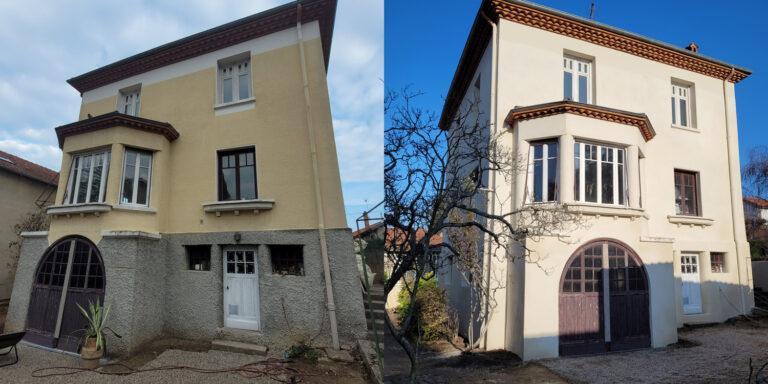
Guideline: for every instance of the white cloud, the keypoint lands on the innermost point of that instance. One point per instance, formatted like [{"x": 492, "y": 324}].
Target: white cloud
[{"x": 45, "y": 43}]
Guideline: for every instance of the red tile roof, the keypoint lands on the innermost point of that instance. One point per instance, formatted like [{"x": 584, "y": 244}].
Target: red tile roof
[
  {"x": 19, "y": 166},
  {"x": 756, "y": 201},
  {"x": 397, "y": 235},
  {"x": 367, "y": 228}
]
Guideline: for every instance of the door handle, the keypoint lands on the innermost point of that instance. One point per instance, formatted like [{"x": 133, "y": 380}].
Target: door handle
[{"x": 227, "y": 287}]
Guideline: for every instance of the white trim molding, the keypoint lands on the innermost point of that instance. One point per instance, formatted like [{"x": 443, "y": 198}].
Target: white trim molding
[
  {"x": 31, "y": 234},
  {"x": 606, "y": 210},
  {"x": 78, "y": 209},
  {"x": 235, "y": 106},
  {"x": 690, "y": 220},
  {"x": 131, "y": 234},
  {"x": 236, "y": 206}
]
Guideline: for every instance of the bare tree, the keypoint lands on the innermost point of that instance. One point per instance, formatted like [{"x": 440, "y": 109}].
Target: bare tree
[
  {"x": 434, "y": 181},
  {"x": 756, "y": 172}
]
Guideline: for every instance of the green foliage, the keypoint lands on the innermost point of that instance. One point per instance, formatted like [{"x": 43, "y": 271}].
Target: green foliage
[
  {"x": 34, "y": 221},
  {"x": 759, "y": 249},
  {"x": 302, "y": 351},
  {"x": 431, "y": 309},
  {"x": 96, "y": 316}
]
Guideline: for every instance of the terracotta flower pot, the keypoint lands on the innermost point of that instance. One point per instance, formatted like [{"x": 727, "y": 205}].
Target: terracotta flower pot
[{"x": 90, "y": 354}]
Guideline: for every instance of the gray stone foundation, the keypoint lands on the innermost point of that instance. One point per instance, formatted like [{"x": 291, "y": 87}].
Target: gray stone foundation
[{"x": 152, "y": 293}]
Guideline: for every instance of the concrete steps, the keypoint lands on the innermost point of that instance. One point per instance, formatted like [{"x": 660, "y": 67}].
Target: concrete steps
[
  {"x": 238, "y": 347},
  {"x": 377, "y": 304}
]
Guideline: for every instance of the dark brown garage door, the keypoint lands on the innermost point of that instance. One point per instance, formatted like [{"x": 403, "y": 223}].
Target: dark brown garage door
[
  {"x": 70, "y": 273},
  {"x": 595, "y": 317}
]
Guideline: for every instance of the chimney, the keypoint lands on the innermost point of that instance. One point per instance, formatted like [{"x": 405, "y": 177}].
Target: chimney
[
  {"x": 365, "y": 218},
  {"x": 693, "y": 47}
]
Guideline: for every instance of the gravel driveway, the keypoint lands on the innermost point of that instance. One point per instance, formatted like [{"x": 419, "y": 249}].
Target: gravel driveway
[
  {"x": 31, "y": 358},
  {"x": 716, "y": 354}
]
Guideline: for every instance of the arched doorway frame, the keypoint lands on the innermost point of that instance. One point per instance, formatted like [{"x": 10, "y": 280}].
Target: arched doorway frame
[
  {"x": 627, "y": 288},
  {"x": 70, "y": 272}
]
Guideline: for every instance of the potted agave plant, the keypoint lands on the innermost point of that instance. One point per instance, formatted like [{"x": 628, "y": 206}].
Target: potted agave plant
[{"x": 94, "y": 341}]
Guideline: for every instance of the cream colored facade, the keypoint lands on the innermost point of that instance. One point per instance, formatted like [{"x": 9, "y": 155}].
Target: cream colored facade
[
  {"x": 523, "y": 66},
  {"x": 184, "y": 171}
]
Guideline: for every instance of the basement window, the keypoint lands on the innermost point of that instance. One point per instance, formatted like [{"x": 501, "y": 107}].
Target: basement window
[
  {"x": 287, "y": 259},
  {"x": 717, "y": 260},
  {"x": 198, "y": 257}
]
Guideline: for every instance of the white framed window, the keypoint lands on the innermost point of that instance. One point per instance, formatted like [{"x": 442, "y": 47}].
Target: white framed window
[
  {"x": 234, "y": 80},
  {"x": 577, "y": 79},
  {"x": 137, "y": 174},
  {"x": 87, "y": 178},
  {"x": 542, "y": 173},
  {"x": 599, "y": 174},
  {"x": 129, "y": 101},
  {"x": 681, "y": 105}
]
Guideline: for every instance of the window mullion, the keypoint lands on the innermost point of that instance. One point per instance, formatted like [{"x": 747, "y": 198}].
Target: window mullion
[
  {"x": 599, "y": 174},
  {"x": 582, "y": 173},
  {"x": 90, "y": 179},
  {"x": 104, "y": 171},
  {"x": 136, "y": 168},
  {"x": 544, "y": 172},
  {"x": 616, "y": 187}
]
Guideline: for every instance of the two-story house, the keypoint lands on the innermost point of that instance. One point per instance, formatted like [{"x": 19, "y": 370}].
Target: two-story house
[
  {"x": 200, "y": 196},
  {"x": 25, "y": 187},
  {"x": 637, "y": 136}
]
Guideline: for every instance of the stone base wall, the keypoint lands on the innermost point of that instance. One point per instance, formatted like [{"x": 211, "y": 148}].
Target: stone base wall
[{"x": 151, "y": 291}]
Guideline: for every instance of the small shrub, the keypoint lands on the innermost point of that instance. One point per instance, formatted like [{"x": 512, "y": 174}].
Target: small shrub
[
  {"x": 433, "y": 314},
  {"x": 302, "y": 351}
]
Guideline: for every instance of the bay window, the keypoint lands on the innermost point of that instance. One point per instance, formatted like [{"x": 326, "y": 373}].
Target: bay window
[
  {"x": 599, "y": 174},
  {"x": 137, "y": 171},
  {"x": 87, "y": 178},
  {"x": 577, "y": 79},
  {"x": 543, "y": 178}
]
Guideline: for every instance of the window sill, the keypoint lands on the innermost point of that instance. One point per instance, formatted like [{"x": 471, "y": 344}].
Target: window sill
[
  {"x": 78, "y": 209},
  {"x": 690, "y": 220},
  {"x": 234, "y": 106},
  {"x": 236, "y": 206},
  {"x": 689, "y": 129},
  {"x": 134, "y": 208},
  {"x": 606, "y": 210}
]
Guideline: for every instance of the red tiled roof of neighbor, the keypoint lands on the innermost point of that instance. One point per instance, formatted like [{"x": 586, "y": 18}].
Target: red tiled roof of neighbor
[
  {"x": 367, "y": 228},
  {"x": 28, "y": 169},
  {"x": 398, "y": 235},
  {"x": 238, "y": 31},
  {"x": 756, "y": 201}
]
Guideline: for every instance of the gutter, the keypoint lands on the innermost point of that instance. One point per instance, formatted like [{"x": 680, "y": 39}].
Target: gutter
[
  {"x": 734, "y": 203},
  {"x": 318, "y": 193}
]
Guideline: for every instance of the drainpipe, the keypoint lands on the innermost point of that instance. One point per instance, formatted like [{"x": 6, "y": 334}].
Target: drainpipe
[
  {"x": 318, "y": 193},
  {"x": 731, "y": 176},
  {"x": 492, "y": 176}
]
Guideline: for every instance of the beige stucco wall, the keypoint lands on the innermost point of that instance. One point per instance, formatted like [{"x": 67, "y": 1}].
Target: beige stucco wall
[
  {"x": 184, "y": 171},
  {"x": 18, "y": 196},
  {"x": 525, "y": 318}
]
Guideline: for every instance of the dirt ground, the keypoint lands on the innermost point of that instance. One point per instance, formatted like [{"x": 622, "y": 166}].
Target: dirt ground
[
  {"x": 712, "y": 354},
  {"x": 173, "y": 353}
]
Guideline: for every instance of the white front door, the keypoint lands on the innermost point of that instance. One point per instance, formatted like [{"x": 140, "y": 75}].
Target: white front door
[
  {"x": 241, "y": 288},
  {"x": 689, "y": 272}
]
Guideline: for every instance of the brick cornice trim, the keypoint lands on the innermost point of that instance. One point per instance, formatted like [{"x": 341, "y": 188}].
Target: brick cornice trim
[
  {"x": 639, "y": 120},
  {"x": 251, "y": 27},
  {"x": 115, "y": 119},
  {"x": 531, "y": 16}
]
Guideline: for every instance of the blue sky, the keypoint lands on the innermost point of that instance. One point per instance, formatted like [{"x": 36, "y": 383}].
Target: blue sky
[
  {"x": 424, "y": 42},
  {"x": 44, "y": 43}
]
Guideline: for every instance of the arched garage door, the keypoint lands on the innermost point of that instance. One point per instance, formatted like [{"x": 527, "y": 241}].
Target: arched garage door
[
  {"x": 70, "y": 273},
  {"x": 597, "y": 317}
]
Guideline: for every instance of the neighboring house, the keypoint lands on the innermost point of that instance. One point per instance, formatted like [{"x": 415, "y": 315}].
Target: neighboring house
[
  {"x": 756, "y": 209},
  {"x": 25, "y": 187},
  {"x": 394, "y": 239},
  {"x": 201, "y": 196},
  {"x": 373, "y": 235},
  {"x": 638, "y": 136}
]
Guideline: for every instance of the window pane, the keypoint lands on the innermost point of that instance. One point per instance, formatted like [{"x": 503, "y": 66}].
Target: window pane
[
  {"x": 538, "y": 151},
  {"x": 607, "y": 180},
  {"x": 244, "y": 86},
  {"x": 567, "y": 86},
  {"x": 552, "y": 177},
  {"x": 683, "y": 113},
  {"x": 247, "y": 183},
  {"x": 576, "y": 178},
  {"x": 621, "y": 187},
  {"x": 537, "y": 180},
  {"x": 70, "y": 199},
  {"x": 228, "y": 189},
  {"x": 674, "y": 115},
  {"x": 129, "y": 176},
  {"x": 590, "y": 180},
  {"x": 85, "y": 173},
  {"x": 96, "y": 182},
  {"x": 583, "y": 89},
  {"x": 143, "y": 185},
  {"x": 226, "y": 96}
]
